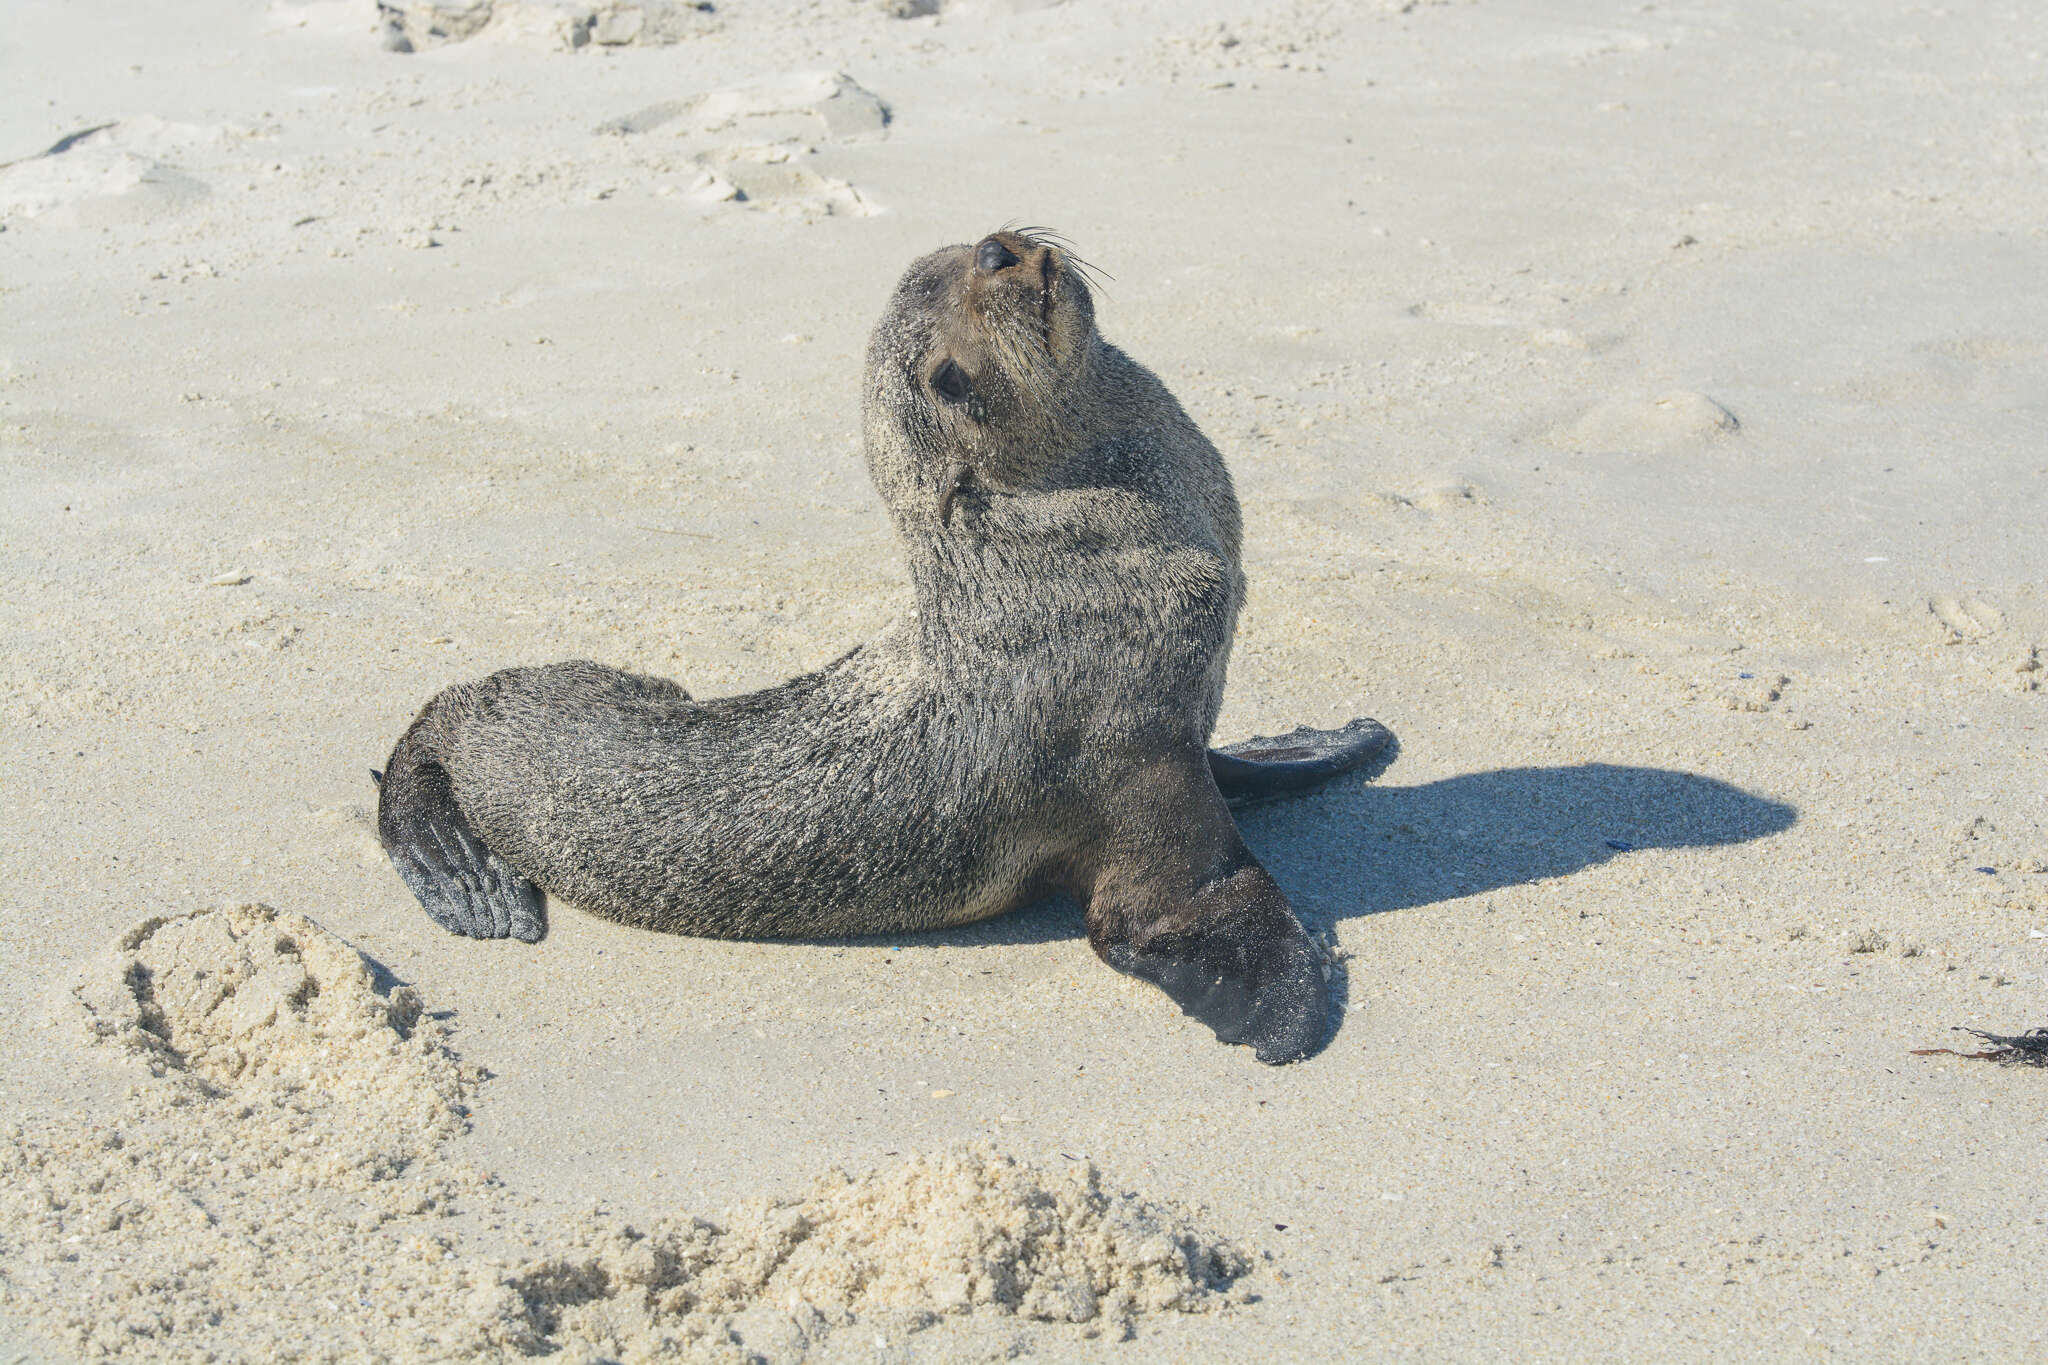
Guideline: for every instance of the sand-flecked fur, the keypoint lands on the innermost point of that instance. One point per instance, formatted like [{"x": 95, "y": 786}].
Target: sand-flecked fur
[{"x": 1038, "y": 723}]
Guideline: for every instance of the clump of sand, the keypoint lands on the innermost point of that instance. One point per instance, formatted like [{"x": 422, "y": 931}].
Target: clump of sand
[
  {"x": 256, "y": 998},
  {"x": 273, "y": 1175},
  {"x": 559, "y": 25},
  {"x": 114, "y": 173},
  {"x": 277, "y": 1184},
  {"x": 953, "y": 1234}
]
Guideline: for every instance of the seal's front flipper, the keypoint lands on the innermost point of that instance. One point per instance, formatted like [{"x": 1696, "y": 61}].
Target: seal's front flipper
[
  {"x": 1262, "y": 768},
  {"x": 1237, "y": 959},
  {"x": 464, "y": 886}
]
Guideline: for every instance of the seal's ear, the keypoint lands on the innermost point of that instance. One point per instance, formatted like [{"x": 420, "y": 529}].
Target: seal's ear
[{"x": 951, "y": 384}]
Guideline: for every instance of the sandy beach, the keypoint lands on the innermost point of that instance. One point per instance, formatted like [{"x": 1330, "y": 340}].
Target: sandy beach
[{"x": 1641, "y": 409}]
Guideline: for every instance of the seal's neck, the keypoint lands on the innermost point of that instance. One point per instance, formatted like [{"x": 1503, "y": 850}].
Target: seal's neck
[{"x": 1100, "y": 591}]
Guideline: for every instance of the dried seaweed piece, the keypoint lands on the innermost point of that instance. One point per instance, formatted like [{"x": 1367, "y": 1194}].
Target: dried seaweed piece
[{"x": 2025, "y": 1049}]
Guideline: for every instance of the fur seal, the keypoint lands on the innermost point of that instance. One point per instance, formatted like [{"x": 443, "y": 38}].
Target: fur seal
[{"x": 1038, "y": 724}]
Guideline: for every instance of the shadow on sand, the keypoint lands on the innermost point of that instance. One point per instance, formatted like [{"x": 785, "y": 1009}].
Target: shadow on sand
[
  {"x": 1354, "y": 848},
  {"x": 1364, "y": 849}
]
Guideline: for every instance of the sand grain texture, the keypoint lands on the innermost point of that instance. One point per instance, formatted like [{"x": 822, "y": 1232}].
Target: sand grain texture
[
  {"x": 267, "y": 1167},
  {"x": 275, "y": 1185}
]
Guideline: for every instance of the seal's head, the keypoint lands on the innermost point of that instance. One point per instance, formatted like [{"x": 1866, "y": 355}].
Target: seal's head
[{"x": 973, "y": 372}]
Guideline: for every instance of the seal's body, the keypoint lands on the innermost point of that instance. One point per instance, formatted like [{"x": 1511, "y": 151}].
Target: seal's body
[{"x": 1039, "y": 724}]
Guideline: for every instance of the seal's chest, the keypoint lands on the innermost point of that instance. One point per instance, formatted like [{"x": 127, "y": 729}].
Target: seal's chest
[
  {"x": 1147, "y": 607},
  {"x": 1190, "y": 590}
]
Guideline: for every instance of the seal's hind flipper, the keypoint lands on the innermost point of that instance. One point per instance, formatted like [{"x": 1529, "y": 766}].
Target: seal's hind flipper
[
  {"x": 1261, "y": 768},
  {"x": 467, "y": 889},
  {"x": 464, "y": 886}
]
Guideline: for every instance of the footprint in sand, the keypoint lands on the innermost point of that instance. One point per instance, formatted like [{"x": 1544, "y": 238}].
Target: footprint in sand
[
  {"x": 1673, "y": 421},
  {"x": 782, "y": 117},
  {"x": 774, "y": 178},
  {"x": 1465, "y": 314},
  {"x": 794, "y": 105},
  {"x": 1455, "y": 496},
  {"x": 1964, "y": 618},
  {"x": 1755, "y": 692}
]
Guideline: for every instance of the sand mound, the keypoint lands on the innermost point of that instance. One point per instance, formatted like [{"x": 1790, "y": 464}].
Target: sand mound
[
  {"x": 252, "y": 995},
  {"x": 969, "y": 1231},
  {"x": 114, "y": 173},
  {"x": 793, "y": 106},
  {"x": 276, "y": 1185},
  {"x": 775, "y": 179},
  {"x": 847, "y": 111},
  {"x": 270, "y": 1167}
]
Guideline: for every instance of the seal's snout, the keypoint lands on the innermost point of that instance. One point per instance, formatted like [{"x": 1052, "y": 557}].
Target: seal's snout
[
  {"x": 1002, "y": 251},
  {"x": 993, "y": 256}
]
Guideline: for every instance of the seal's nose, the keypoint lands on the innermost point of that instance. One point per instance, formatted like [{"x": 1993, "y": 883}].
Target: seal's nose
[{"x": 993, "y": 256}]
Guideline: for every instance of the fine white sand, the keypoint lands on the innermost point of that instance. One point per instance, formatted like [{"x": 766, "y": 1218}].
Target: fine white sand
[{"x": 1643, "y": 410}]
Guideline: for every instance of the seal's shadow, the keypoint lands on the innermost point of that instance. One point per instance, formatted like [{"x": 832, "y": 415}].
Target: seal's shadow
[
  {"x": 1362, "y": 849},
  {"x": 1354, "y": 848}
]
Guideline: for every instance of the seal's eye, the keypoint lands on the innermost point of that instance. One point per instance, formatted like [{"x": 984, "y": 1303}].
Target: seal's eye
[
  {"x": 994, "y": 256},
  {"x": 949, "y": 382}
]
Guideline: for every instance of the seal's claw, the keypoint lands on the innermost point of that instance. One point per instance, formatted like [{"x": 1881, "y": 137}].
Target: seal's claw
[
  {"x": 477, "y": 900},
  {"x": 1268, "y": 766},
  {"x": 1291, "y": 1013},
  {"x": 529, "y": 914}
]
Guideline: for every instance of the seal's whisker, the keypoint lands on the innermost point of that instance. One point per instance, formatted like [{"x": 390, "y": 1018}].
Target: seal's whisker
[
  {"x": 1045, "y": 236},
  {"x": 1094, "y": 274},
  {"x": 1098, "y": 278}
]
